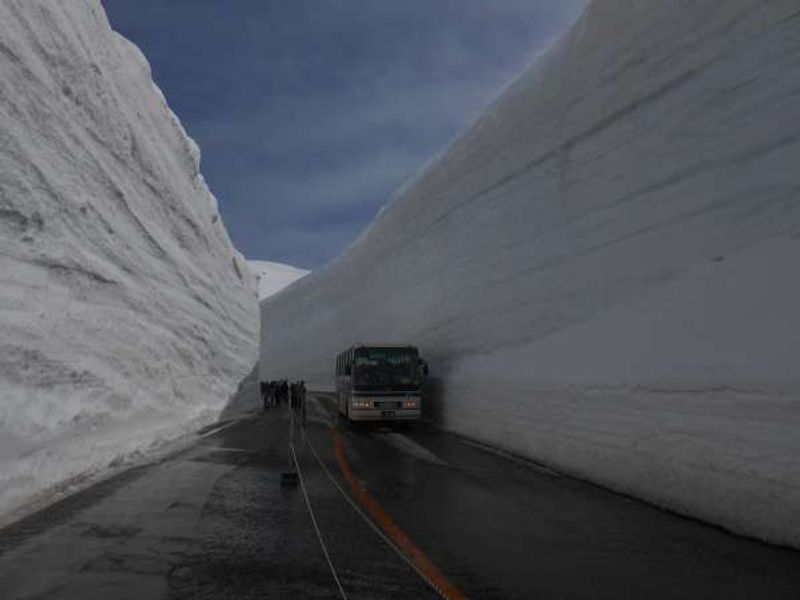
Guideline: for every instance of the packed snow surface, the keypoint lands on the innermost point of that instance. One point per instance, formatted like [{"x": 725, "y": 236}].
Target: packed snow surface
[
  {"x": 602, "y": 271},
  {"x": 272, "y": 277},
  {"x": 126, "y": 316}
]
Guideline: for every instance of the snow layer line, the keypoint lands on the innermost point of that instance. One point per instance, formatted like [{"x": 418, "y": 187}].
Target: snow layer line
[
  {"x": 126, "y": 315},
  {"x": 602, "y": 269}
]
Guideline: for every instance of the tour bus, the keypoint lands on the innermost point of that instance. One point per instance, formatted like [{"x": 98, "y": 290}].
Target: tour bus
[{"x": 380, "y": 382}]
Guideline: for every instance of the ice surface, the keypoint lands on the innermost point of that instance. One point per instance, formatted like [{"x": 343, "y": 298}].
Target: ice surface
[
  {"x": 272, "y": 277},
  {"x": 602, "y": 271},
  {"x": 126, "y": 315}
]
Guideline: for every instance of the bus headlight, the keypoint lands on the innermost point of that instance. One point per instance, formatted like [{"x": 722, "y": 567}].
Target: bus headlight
[
  {"x": 359, "y": 403},
  {"x": 411, "y": 403}
]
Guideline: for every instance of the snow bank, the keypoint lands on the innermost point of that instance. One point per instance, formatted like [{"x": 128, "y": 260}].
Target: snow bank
[
  {"x": 126, "y": 316},
  {"x": 602, "y": 270},
  {"x": 272, "y": 277}
]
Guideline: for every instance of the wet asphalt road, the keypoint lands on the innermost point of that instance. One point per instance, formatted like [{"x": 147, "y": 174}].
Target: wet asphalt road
[{"x": 214, "y": 521}]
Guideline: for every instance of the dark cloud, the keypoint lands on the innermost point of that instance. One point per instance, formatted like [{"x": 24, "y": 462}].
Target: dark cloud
[{"x": 311, "y": 113}]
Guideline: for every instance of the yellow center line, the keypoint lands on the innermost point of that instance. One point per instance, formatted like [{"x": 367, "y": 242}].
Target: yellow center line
[{"x": 424, "y": 564}]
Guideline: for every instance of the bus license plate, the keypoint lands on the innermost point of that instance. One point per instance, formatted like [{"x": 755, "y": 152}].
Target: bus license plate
[{"x": 387, "y": 414}]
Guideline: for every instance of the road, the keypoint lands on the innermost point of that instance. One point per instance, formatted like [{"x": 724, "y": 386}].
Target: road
[{"x": 213, "y": 520}]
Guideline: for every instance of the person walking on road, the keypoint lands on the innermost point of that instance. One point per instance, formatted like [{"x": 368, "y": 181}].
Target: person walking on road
[
  {"x": 301, "y": 393},
  {"x": 266, "y": 391},
  {"x": 283, "y": 391}
]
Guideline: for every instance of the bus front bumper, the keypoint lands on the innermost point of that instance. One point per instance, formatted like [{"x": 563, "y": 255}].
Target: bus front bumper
[{"x": 379, "y": 414}]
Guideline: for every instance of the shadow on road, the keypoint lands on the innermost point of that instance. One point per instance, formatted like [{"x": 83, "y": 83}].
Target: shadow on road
[{"x": 432, "y": 402}]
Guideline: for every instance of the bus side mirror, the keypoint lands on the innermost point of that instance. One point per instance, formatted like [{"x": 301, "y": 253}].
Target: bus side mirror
[{"x": 423, "y": 366}]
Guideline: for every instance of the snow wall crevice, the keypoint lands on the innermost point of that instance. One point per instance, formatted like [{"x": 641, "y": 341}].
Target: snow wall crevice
[
  {"x": 600, "y": 270},
  {"x": 125, "y": 321}
]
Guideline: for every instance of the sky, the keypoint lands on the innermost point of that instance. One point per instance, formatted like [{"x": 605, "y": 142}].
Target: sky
[{"x": 310, "y": 113}]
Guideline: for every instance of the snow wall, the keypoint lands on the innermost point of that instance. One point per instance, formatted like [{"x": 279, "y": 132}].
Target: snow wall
[
  {"x": 603, "y": 271},
  {"x": 126, "y": 315}
]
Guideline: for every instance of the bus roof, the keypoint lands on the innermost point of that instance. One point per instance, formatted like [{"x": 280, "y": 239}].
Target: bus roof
[
  {"x": 383, "y": 346},
  {"x": 377, "y": 345}
]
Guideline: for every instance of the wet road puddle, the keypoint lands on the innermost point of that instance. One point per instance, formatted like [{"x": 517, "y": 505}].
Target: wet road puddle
[{"x": 408, "y": 446}]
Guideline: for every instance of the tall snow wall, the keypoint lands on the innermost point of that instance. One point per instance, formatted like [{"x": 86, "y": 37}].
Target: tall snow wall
[
  {"x": 126, "y": 315},
  {"x": 602, "y": 271}
]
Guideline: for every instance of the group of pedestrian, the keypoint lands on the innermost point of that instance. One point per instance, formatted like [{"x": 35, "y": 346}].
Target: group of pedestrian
[{"x": 275, "y": 392}]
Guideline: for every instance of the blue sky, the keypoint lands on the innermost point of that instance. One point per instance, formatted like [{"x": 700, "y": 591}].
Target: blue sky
[{"x": 310, "y": 113}]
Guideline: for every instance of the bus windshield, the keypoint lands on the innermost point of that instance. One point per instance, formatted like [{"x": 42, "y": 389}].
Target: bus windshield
[{"x": 390, "y": 368}]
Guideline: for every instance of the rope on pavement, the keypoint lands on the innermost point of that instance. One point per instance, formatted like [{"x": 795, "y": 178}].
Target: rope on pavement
[
  {"x": 369, "y": 522},
  {"x": 314, "y": 522}
]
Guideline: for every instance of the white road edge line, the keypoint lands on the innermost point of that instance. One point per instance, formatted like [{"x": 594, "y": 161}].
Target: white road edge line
[
  {"x": 218, "y": 429},
  {"x": 532, "y": 465}
]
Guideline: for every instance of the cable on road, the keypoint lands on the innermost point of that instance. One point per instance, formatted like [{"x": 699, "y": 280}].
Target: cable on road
[
  {"x": 316, "y": 527},
  {"x": 373, "y": 526},
  {"x": 311, "y": 510}
]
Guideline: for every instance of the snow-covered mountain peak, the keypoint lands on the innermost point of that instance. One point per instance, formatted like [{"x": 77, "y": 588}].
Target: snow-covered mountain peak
[{"x": 272, "y": 277}]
